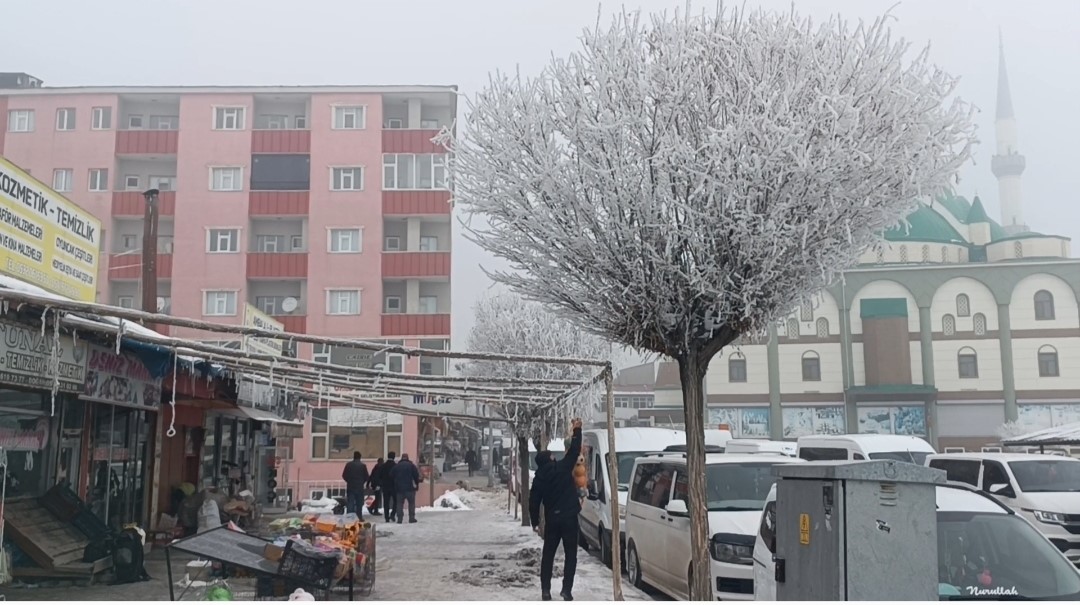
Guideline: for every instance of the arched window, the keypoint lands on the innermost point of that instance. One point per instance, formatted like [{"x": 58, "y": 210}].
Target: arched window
[
  {"x": 925, "y": 253},
  {"x": 1044, "y": 305},
  {"x": 903, "y": 254},
  {"x": 811, "y": 367},
  {"x": 1018, "y": 249},
  {"x": 792, "y": 328},
  {"x": 806, "y": 312},
  {"x": 1048, "y": 362},
  {"x": 979, "y": 323},
  {"x": 822, "y": 327},
  {"x": 736, "y": 368},
  {"x": 963, "y": 305},
  {"x": 944, "y": 254},
  {"x": 948, "y": 325},
  {"x": 967, "y": 363}
]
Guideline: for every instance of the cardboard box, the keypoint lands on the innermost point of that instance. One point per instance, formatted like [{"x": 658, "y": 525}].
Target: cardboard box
[{"x": 273, "y": 553}]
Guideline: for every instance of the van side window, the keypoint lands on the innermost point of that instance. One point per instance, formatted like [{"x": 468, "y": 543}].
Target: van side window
[
  {"x": 857, "y": 456},
  {"x": 822, "y": 453},
  {"x": 768, "y": 527},
  {"x": 641, "y": 489},
  {"x": 682, "y": 488},
  {"x": 659, "y": 486},
  {"x": 597, "y": 475},
  {"x": 994, "y": 474},
  {"x": 964, "y": 471}
]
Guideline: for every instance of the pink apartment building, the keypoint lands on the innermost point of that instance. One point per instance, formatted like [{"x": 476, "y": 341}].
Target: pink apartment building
[{"x": 325, "y": 207}]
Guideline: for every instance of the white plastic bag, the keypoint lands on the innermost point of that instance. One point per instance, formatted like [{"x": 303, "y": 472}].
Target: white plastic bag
[{"x": 209, "y": 515}]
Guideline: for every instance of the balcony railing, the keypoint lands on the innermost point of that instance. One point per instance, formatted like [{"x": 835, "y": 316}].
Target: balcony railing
[
  {"x": 147, "y": 142},
  {"x": 132, "y": 203},
  {"x": 280, "y": 141},
  {"x": 288, "y": 265},
  {"x": 128, "y": 265},
  {"x": 415, "y": 324},
  {"x": 416, "y": 264},
  {"x": 399, "y": 140},
  {"x": 433, "y": 201},
  {"x": 278, "y": 203}
]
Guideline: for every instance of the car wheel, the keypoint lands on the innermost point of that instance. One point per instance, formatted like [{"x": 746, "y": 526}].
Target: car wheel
[
  {"x": 605, "y": 547},
  {"x": 633, "y": 566}
]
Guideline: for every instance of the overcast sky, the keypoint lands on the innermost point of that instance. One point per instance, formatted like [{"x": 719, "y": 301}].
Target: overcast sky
[{"x": 269, "y": 42}]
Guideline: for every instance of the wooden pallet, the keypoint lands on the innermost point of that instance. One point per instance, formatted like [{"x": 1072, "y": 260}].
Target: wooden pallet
[{"x": 57, "y": 547}]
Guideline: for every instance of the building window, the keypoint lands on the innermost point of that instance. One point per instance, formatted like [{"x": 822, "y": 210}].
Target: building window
[
  {"x": 337, "y": 432},
  {"x": 125, "y": 302},
  {"x": 270, "y": 244},
  {"x": 394, "y": 123},
  {"x": 227, "y": 179},
  {"x": 347, "y": 179},
  {"x": 948, "y": 325},
  {"x": 173, "y": 122},
  {"x": 811, "y": 367},
  {"x": 414, "y": 171},
  {"x": 271, "y": 305},
  {"x": 342, "y": 302},
  {"x": 806, "y": 312},
  {"x": 21, "y": 120},
  {"x": 344, "y": 240},
  {"x": 65, "y": 118},
  {"x": 792, "y": 328},
  {"x": 903, "y": 254},
  {"x": 227, "y": 118},
  {"x": 1044, "y": 306},
  {"x": 429, "y": 243},
  {"x": 223, "y": 240},
  {"x": 392, "y": 244},
  {"x": 163, "y": 183},
  {"x": 925, "y": 253},
  {"x": 101, "y": 118},
  {"x": 822, "y": 327},
  {"x": 967, "y": 362},
  {"x": 979, "y": 324},
  {"x": 1018, "y": 249},
  {"x": 61, "y": 179},
  {"x": 944, "y": 254},
  {"x": 429, "y": 305},
  {"x": 129, "y": 242},
  {"x": 99, "y": 179},
  {"x": 132, "y": 182},
  {"x": 350, "y": 118},
  {"x": 219, "y": 302},
  {"x": 963, "y": 305},
  {"x": 880, "y": 256},
  {"x": 1048, "y": 362},
  {"x": 392, "y": 304},
  {"x": 736, "y": 368},
  {"x": 135, "y": 122}
]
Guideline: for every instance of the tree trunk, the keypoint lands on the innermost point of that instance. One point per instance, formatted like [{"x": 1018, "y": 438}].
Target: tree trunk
[
  {"x": 523, "y": 470},
  {"x": 692, "y": 373}
]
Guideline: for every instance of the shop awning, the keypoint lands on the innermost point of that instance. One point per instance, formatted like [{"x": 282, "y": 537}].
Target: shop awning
[
  {"x": 261, "y": 415},
  {"x": 1066, "y": 434}
]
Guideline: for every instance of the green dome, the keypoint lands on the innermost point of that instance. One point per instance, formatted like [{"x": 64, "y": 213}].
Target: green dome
[{"x": 925, "y": 225}]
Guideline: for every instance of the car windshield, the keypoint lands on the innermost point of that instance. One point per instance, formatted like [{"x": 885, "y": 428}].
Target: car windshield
[
  {"x": 913, "y": 457},
  {"x": 625, "y": 462},
  {"x": 998, "y": 556},
  {"x": 555, "y": 456},
  {"x": 1047, "y": 475},
  {"x": 737, "y": 487}
]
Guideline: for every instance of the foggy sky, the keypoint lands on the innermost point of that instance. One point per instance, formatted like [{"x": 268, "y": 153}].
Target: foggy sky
[{"x": 271, "y": 42}]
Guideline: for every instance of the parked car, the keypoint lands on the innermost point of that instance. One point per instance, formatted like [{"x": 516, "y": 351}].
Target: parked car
[
  {"x": 658, "y": 524},
  {"x": 1043, "y": 488},
  {"x": 979, "y": 540},
  {"x": 902, "y": 448},
  {"x": 761, "y": 446}
]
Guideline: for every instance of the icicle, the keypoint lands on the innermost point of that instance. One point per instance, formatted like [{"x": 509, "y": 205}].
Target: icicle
[
  {"x": 172, "y": 404},
  {"x": 7, "y": 307},
  {"x": 44, "y": 318},
  {"x": 55, "y": 361},
  {"x": 120, "y": 335},
  {"x": 29, "y": 466},
  {"x": 318, "y": 404}
]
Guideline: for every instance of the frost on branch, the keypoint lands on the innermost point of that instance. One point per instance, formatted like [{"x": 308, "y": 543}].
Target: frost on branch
[{"x": 679, "y": 181}]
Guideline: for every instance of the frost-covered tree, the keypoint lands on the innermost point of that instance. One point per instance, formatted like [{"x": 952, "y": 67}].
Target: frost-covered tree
[
  {"x": 508, "y": 324},
  {"x": 682, "y": 180}
]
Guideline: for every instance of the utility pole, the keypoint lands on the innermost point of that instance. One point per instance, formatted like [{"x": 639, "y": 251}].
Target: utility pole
[{"x": 149, "y": 252}]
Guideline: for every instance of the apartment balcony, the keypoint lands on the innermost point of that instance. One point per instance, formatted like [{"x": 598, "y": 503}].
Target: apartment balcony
[
  {"x": 415, "y": 264},
  {"x": 278, "y": 203},
  {"x": 147, "y": 142},
  {"x": 415, "y": 324},
  {"x": 296, "y": 324},
  {"x": 400, "y": 140},
  {"x": 128, "y": 265},
  {"x": 416, "y": 202},
  {"x": 277, "y": 265},
  {"x": 132, "y": 203},
  {"x": 280, "y": 141}
]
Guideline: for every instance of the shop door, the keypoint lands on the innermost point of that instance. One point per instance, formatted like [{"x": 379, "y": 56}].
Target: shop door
[{"x": 119, "y": 464}]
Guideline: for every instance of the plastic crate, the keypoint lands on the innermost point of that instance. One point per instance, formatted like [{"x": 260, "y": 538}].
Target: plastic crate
[{"x": 311, "y": 566}]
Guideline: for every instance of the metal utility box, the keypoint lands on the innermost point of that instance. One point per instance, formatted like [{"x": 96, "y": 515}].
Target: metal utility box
[{"x": 856, "y": 531}]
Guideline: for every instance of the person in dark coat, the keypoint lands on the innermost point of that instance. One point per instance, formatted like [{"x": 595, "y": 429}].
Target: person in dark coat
[
  {"x": 356, "y": 479},
  {"x": 375, "y": 485},
  {"x": 406, "y": 481},
  {"x": 389, "y": 498},
  {"x": 555, "y": 489},
  {"x": 470, "y": 461}
]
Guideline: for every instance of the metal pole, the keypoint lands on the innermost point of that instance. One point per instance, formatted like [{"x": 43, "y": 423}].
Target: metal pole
[
  {"x": 149, "y": 253},
  {"x": 431, "y": 458},
  {"x": 613, "y": 476},
  {"x": 491, "y": 457}
]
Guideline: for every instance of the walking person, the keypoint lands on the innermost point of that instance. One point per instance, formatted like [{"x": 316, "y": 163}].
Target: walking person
[
  {"x": 470, "y": 461},
  {"x": 406, "y": 481},
  {"x": 375, "y": 485},
  {"x": 356, "y": 479},
  {"x": 386, "y": 479},
  {"x": 555, "y": 489}
]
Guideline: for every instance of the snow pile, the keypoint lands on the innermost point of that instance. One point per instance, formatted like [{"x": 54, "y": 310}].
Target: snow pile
[
  {"x": 523, "y": 571},
  {"x": 322, "y": 505},
  {"x": 451, "y": 500}
]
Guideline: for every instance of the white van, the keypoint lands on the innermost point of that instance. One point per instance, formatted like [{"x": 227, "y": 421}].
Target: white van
[
  {"x": 1043, "y": 488},
  {"x": 557, "y": 447},
  {"x": 658, "y": 524},
  {"x": 761, "y": 446},
  {"x": 902, "y": 448},
  {"x": 972, "y": 527},
  {"x": 630, "y": 443}
]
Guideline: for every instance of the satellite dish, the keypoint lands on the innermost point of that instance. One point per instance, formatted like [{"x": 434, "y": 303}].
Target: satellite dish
[
  {"x": 289, "y": 304},
  {"x": 161, "y": 304}
]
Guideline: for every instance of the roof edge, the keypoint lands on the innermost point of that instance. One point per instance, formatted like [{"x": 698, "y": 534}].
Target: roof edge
[{"x": 253, "y": 89}]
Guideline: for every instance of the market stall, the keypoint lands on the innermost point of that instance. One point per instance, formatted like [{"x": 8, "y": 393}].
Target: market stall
[{"x": 347, "y": 535}]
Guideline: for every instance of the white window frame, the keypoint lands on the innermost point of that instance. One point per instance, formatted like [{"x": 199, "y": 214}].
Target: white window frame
[
  {"x": 133, "y": 118},
  {"x": 338, "y": 176},
  {"x": 21, "y": 120},
  {"x": 300, "y": 123},
  {"x": 395, "y": 123},
  {"x": 101, "y": 118},
  {"x": 226, "y": 311},
  {"x": 101, "y": 182},
  {"x": 276, "y": 121},
  {"x": 63, "y": 185},
  {"x": 261, "y": 242},
  {"x": 223, "y": 113},
  {"x": 124, "y": 239},
  {"x": 237, "y": 171},
  {"x": 130, "y": 300},
  {"x": 132, "y": 178},
  {"x": 65, "y": 119},
  {"x": 344, "y": 111},
  {"x": 397, "y": 243},
  {"x": 386, "y": 305},
  {"x": 168, "y": 122},
  {"x": 429, "y": 124},
  {"x": 429, "y": 238},
  {"x": 433, "y": 310},
  {"x": 436, "y": 174},
  {"x": 331, "y": 309},
  {"x": 333, "y": 238},
  {"x": 216, "y": 236},
  {"x": 390, "y": 359},
  {"x": 156, "y": 182},
  {"x": 296, "y": 243}
]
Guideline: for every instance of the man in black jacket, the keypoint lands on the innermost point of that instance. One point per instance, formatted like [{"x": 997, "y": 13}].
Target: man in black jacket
[
  {"x": 406, "y": 479},
  {"x": 389, "y": 498},
  {"x": 555, "y": 489},
  {"x": 356, "y": 479},
  {"x": 375, "y": 485}
]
